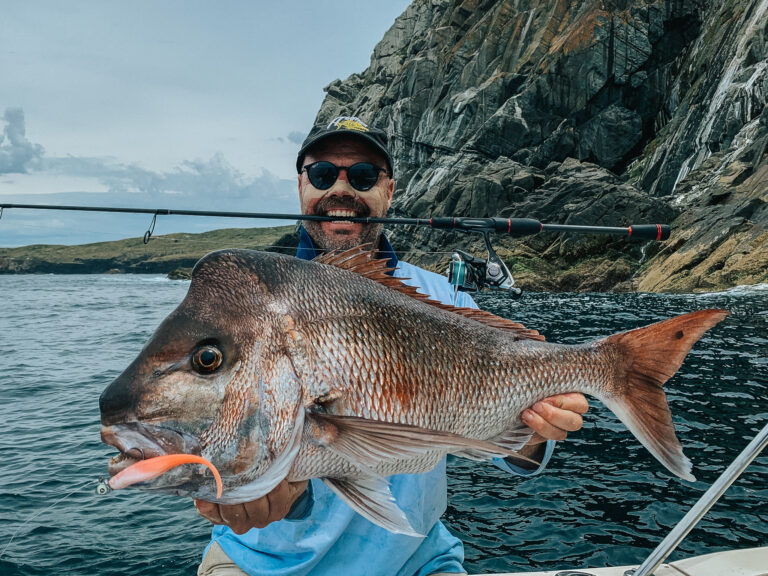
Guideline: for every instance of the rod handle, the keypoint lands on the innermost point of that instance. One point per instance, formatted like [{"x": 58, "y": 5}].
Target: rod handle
[{"x": 656, "y": 232}]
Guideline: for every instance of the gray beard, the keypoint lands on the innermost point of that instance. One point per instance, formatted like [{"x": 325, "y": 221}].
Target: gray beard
[{"x": 370, "y": 235}]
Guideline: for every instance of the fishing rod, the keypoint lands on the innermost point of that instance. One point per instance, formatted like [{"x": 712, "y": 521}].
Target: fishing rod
[{"x": 465, "y": 272}]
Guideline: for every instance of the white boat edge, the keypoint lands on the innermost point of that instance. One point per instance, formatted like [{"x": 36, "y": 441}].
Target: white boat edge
[{"x": 747, "y": 562}]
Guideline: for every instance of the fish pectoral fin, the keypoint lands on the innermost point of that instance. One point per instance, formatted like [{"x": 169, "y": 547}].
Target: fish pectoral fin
[
  {"x": 328, "y": 398},
  {"x": 366, "y": 443},
  {"x": 370, "y": 497}
]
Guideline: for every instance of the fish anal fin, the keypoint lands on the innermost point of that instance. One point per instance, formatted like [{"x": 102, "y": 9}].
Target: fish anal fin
[
  {"x": 370, "y": 497},
  {"x": 362, "y": 260},
  {"x": 513, "y": 438},
  {"x": 511, "y": 441},
  {"x": 650, "y": 356},
  {"x": 515, "y": 459}
]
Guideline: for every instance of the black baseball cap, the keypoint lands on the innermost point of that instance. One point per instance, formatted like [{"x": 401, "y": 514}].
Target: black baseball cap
[{"x": 346, "y": 125}]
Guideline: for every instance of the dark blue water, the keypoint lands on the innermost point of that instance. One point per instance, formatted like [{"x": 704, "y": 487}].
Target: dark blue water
[{"x": 603, "y": 500}]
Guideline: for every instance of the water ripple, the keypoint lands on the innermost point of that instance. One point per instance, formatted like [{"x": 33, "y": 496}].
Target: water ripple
[{"x": 602, "y": 501}]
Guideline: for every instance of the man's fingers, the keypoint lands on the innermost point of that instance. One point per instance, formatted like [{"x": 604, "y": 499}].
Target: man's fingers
[
  {"x": 235, "y": 516},
  {"x": 209, "y": 511},
  {"x": 573, "y": 401},
  {"x": 239, "y": 517},
  {"x": 297, "y": 489},
  {"x": 280, "y": 501},
  {"x": 567, "y": 420},
  {"x": 282, "y": 498},
  {"x": 256, "y": 514},
  {"x": 541, "y": 427},
  {"x": 554, "y": 417}
]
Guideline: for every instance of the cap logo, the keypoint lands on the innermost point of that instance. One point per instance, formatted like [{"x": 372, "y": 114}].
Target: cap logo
[{"x": 349, "y": 123}]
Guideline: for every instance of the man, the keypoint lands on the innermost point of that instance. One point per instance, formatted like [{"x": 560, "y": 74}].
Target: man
[{"x": 345, "y": 169}]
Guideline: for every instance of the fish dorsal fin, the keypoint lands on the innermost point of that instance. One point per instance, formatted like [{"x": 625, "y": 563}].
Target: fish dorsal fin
[
  {"x": 361, "y": 260},
  {"x": 520, "y": 331}
]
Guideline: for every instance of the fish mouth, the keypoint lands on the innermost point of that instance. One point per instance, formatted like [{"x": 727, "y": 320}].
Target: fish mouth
[{"x": 138, "y": 441}]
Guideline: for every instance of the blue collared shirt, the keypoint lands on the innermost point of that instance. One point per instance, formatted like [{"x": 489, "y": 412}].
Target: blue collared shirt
[{"x": 323, "y": 536}]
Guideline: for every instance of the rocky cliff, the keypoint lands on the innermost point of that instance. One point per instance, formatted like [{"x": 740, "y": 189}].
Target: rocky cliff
[{"x": 579, "y": 112}]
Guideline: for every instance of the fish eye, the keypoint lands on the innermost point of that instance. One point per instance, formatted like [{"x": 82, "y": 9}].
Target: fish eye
[{"x": 207, "y": 359}]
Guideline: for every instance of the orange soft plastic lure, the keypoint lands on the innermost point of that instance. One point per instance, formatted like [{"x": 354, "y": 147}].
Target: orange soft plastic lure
[{"x": 151, "y": 468}]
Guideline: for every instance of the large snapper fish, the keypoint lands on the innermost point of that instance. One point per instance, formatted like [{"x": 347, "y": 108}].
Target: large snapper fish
[{"x": 274, "y": 367}]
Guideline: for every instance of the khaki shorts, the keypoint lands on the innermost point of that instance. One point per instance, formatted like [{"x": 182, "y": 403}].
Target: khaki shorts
[{"x": 217, "y": 563}]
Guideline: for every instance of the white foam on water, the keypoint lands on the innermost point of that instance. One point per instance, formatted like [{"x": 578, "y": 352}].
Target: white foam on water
[{"x": 740, "y": 289}]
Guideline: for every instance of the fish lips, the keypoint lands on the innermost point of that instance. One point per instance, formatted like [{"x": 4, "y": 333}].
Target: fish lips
[{"x": 138, "y": 441}]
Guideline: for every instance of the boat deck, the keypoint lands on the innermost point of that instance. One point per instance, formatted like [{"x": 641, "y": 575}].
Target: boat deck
[{"x": 748, "y": 562}]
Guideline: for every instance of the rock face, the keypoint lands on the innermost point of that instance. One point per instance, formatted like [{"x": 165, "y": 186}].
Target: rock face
[{"x": 579, "y": 112}]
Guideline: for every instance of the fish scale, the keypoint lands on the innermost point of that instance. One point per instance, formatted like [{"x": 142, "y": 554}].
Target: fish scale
[
  {"x": 334, "y": 369},
  {"x": 494, "y": 389}
]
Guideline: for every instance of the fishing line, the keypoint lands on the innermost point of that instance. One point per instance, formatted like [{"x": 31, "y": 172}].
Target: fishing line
[{"x": 28, "y": 520}]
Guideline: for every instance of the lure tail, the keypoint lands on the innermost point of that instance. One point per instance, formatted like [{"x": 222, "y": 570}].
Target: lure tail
[{"x": 151, "y": 468}]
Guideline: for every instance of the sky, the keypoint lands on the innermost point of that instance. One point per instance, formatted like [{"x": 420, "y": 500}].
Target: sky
[{"x": 194, "y": 104}]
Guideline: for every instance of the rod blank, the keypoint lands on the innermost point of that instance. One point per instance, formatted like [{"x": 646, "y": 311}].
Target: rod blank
[{"x": 517, "y": 227}]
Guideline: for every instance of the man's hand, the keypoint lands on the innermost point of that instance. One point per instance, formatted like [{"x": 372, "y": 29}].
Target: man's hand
[
  {"x": 257, "y": 513},
  {"x": 553, "y": 417}
]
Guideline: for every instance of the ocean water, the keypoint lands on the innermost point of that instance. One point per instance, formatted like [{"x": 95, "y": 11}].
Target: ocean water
[{"x": 602, "y": 501}]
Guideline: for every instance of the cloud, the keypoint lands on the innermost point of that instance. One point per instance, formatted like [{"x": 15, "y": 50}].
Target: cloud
[
  {"x": 17, "y": 154},
  {"x": 213, "y": 182},
  {"x": 297, "y": 137},
  {"x": 202, "y": 184}
]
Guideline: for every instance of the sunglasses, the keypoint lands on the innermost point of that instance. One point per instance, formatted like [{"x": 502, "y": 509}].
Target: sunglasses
[{"x": 361, "y": 176}]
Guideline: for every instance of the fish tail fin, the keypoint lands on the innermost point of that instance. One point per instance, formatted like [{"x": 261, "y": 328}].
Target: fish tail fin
[{"x": 649, "y": 357}]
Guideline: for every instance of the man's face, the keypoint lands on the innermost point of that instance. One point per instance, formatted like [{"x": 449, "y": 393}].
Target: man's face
[{"x": 342, "y": 199}]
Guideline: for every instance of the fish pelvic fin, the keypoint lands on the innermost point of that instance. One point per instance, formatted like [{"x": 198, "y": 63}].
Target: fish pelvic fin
[
  {"x": 371, "y": 498},
  {"x": 649, "y": 357}
]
